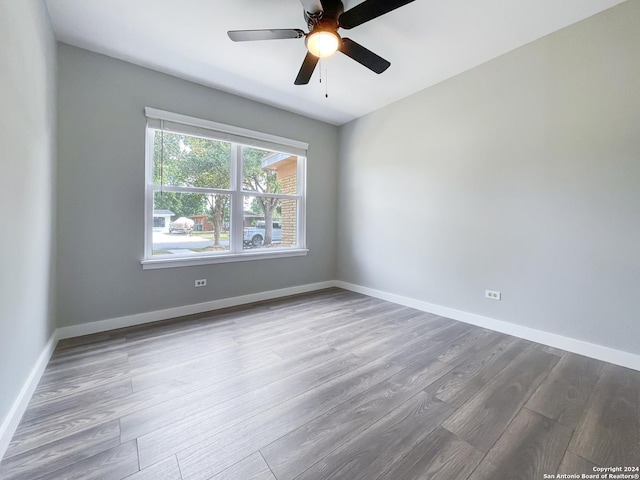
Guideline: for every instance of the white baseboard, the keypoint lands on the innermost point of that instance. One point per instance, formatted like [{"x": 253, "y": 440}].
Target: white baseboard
[
  {"x": 148, "y": 317},
  {"x": 11, "y": 421},
  {"x": 599, "y": 352}
]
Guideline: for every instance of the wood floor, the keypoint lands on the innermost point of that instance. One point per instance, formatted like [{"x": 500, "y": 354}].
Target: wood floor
[{"x": 330, "y": 385}]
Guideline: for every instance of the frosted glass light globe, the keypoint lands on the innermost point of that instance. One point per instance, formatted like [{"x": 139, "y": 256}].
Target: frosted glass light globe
[{"x": 323, "y": 43}]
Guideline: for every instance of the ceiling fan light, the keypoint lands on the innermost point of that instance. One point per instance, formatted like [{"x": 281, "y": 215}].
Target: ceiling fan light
[{"x": 323, "y": 43}]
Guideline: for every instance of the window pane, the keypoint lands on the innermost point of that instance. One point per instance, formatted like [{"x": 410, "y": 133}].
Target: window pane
[
  {"x": 259, "y": 213},
  {"x": 264, "y": 171},
  {"x": 186, "y": 161},
  {"x": 190, "y": 223}
]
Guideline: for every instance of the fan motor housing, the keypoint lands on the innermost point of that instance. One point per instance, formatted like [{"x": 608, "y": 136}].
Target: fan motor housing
[{"x": 327, "y": 19}]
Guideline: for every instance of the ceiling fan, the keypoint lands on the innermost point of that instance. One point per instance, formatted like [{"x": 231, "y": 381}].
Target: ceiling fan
[{"x": 323, "y": 18}]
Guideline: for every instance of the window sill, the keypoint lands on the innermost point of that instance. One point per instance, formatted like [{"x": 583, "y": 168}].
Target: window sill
[{"x": 153, "y": 264}]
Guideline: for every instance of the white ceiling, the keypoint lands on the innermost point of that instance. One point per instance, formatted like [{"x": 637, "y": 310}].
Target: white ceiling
[{"x": 426, "y": 42}]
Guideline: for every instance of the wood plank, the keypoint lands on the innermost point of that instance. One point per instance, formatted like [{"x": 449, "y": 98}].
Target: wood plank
[
  {"x": 484, "y": 471},
  {"x": 440, "y": 455},
  {"x": 338, "y": 324},
  {"x": 228, "y": 319},
  {"x": 609, "y": 433},
  {"x": 149, "y": 419},
  {"x": 482, "y": 419},
  {"x": 166, "y": 469},
  {"x": 50, "y": 457},
  {"x": 467, "y": 379},
  {"x": 296, "y": 451},
  {"x": 563, "y": 395},
  {"x": 531, "y": 447},
  {"x": 477, "y": 340},
  {"x": 78, "y": 385},
  {"x": 572, "y": 464},
  {"x": 45, "y": 411},
  {"x": 382, "y": 445},
  {"x": 369, "y": 344},
  {"x": 354, "y": 334},
  {"x": 62, "y": 370},
  {"x": 554, "y": 351},
  {"x": 54, "y": 427},
  {"x": 71, "y": 422},
  {"x": 93, "y": 340},
  {"x": 196, "y": 426},
  {"x": 114, "y": 464},
  {"x": 406, "y": 349},
  {"x": 324, "y": 313},
  {"x": 219, "y": 451},
  {"x": 321, "y": 333},
  {"x": 152, "y": 356},
  {"x": 202, "y": 367},
  {"x": 251, "y": 468},
  {"x": 137, "y": 363},
  {"x": 143, "y": 421}
]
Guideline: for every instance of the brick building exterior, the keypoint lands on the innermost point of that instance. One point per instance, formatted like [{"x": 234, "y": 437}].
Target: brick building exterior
[{"x": 286, "y": 173}]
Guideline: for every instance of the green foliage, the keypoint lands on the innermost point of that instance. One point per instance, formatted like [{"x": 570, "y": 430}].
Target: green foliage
[
  {"x": 255, "y": 178},
  {"x": 181, "y": 160},
  {"x": 186, "y": 161},
  {"x": 181, "y": 204}
]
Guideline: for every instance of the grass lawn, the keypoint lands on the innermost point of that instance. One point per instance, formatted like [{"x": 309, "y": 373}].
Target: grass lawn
[{"x": 210, "y": 236}]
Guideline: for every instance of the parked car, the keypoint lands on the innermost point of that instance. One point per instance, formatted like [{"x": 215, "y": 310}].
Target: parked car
[
  {"x": 182, "y": 225},
  {"x": 254, "y": 236}
]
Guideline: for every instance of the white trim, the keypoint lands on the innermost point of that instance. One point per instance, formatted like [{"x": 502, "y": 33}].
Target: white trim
[
  {"x": 148, "y": 317},
  {"x": 297, "y": 147},
  {"x": 148, "y": 193},
  {"x": 599, "y": 352},
  {"x": 11, "y": 421},
  {"x": 186, "y": 261},
  {"x": 220, "y": 191}
]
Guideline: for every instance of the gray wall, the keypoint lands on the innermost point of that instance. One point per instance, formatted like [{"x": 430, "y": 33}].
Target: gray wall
[
  {"x": 27, "y": 136},
  {"x": 521, "y": 175},
  {"x": 101, "y": 192}
]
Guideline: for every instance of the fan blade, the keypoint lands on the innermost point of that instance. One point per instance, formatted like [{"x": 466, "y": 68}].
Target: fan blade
[
  {"x": 368, "y": 10},
  {"x": 277, "y": 34},
  {"x": 363, "y": 56},
  {"x": 308, "y": 66}
]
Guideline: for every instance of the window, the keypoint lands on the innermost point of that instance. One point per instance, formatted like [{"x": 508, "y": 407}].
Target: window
[{"x": 217, "y": 193}]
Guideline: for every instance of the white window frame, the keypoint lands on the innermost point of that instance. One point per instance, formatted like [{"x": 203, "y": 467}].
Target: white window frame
[{"x": 238, "y": 137}]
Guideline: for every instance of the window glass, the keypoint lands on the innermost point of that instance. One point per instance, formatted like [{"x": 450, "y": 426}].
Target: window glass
[
  {"x": 195, "y": 183},
  {"x": 191, "y": 223}
]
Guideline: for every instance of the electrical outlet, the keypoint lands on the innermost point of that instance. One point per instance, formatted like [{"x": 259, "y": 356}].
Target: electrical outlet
[
  {"x": 201, "y": 283},
  {"x": 493, "y": 295}
]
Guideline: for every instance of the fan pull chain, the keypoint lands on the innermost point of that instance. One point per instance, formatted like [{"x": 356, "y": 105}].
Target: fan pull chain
[
  {"x": 326, "y": 84},
  {"x": 326, "y": 79}
]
